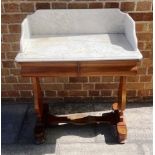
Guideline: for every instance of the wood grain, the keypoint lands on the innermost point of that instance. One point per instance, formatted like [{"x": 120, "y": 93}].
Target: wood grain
[{"x": 111, "y": 68}]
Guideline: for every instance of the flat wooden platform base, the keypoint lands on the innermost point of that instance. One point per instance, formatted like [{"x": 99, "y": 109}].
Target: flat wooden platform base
[{"x": 114, "y": 118}]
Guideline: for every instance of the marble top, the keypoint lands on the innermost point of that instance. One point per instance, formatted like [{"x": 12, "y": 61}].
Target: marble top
[
  {"x": 78, "y": 48},
  {"x": 78, "y": 35}
]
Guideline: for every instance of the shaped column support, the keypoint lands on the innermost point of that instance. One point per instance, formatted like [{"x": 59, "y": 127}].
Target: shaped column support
[
  {"x": 39, "y": 130},
  {"x": 121, "y": 125}
]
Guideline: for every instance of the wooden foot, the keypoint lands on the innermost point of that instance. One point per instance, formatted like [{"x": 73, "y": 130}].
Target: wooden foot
[
  {"x": 122, "y": 132},
  {"x": 121, "y": 128},
  {"x": 39, "y": 133}
]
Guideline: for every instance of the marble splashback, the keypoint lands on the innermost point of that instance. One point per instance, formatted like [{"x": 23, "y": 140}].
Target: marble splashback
[
  {"x": 76, "y": 35},
  {"x": 83, "y": 21}
]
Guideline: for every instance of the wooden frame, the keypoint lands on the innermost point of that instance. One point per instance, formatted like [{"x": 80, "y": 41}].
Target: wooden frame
[
  {"x": 117, "y": 68},
  {"x": 104, "y": 68}
]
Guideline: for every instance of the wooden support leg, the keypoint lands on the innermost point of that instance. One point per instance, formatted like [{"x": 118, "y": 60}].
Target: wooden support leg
[
  {"x": 39, "y": 130},
  {"x": 121, "y": 125},
  {"x": 122, "y": 131},
  {"x": 122, "y": 94}
]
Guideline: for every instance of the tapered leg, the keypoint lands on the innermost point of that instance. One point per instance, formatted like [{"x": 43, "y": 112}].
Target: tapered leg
[
  {"x": 121, "y": 125},
  {"x": 39, "y": 130},
  {"x": 122, "y": 94}
]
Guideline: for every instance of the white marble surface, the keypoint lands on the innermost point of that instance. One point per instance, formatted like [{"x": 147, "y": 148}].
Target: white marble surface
[
  {"x": 76, "y": 48},
  {"x": 76, "y": 21},
  {"x": 78, "y": 35}
]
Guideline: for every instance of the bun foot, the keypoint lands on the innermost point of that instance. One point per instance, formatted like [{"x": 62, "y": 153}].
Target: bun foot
[
  {"x": 39, "y": 134},
  {"x": 122, "y": 132}
]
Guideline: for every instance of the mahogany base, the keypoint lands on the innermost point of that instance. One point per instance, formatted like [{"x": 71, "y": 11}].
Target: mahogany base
[{"x": 121, "y": 68}]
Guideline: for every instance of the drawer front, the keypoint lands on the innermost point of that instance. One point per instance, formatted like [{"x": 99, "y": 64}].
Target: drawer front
[
  {"x": 49, "y": 69},
  {"x": 94, "y": 68}
]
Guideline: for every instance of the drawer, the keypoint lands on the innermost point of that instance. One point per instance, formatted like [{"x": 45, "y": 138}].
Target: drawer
[{"x": 94, "y": 68}]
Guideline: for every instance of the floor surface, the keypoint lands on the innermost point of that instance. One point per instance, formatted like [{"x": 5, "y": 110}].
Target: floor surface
[{"x": 18, "y": 121}]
